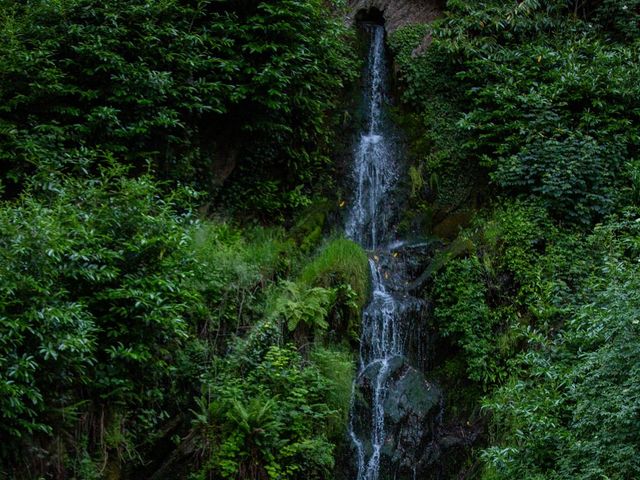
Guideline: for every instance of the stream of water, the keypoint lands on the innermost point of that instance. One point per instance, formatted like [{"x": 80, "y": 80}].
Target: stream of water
[
  {"x": 370, "y": 223},
  {"x": 375, "y": 169}
]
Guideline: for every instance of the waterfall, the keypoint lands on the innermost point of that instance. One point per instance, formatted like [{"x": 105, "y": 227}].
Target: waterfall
[
  {"x": 383, "y": 366},
  {"x": 374, "y": 167}
]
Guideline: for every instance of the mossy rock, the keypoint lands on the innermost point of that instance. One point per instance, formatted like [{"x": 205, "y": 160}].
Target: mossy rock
[{"x": 412, "y": 408}]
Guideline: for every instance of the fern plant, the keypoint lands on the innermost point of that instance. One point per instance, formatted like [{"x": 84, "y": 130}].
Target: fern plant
[{"x": 302, "y": 304}]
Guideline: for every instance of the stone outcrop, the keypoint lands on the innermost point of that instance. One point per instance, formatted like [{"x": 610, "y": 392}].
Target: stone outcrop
[
  {"x": 412, "y": 407},
  {"x": 398, "y": 13}
]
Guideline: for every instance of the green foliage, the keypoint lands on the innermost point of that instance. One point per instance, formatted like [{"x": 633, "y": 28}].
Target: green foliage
[
  {"x": 541, "y": 100},
  {"x": 544, "y": 319},
  {"x": 430, "y": 89},
  {"x": 484, "y": 301},
  {"x": 467, "y": 315},
  {"x": 338, "y": 369},
  {"x": 266, "y": 412},
  {"x": 578, "y": 188},
  {"x": 340, "y": 261},
  {"x": 309, "y": 225},
  {"x": 180, "y": 83},
  {"x": 232, "y": 267},
  {"x": 308, "y": 63},
  {"x": 300, "y": 304},
  {"x": 92, "y": 305},
  {"x": 343, "y": 266},
  {"x": 620, "y": 19},
  {"x": 572, "y": 414},
  {"x": 514, "y": 88},
  {"x": 404, "y": 42},
  {"x": 114, "y": 302},
  {"x": 268, "y": 423}
]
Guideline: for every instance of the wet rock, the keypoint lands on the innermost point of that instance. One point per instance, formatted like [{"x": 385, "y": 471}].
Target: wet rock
[{"x": 412, "y": 408}]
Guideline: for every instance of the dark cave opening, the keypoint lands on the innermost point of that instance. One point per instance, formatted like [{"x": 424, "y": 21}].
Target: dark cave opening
[{"x": 371, "y": 16}]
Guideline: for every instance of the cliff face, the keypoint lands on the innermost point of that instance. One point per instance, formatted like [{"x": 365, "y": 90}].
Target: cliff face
[{"x": 398, "y": 13}]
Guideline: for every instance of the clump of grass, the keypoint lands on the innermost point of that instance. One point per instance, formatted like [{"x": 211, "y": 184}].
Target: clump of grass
[
  {"x": 340, "y": 262},
  {"x": 341, "y": 265},
  {"x": 337, "y": 366}
]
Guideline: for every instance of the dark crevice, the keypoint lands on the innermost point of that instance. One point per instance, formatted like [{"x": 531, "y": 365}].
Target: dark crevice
[{"x": 371, "y": 16}]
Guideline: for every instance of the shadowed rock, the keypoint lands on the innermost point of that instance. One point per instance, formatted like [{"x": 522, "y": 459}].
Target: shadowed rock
[
  {"x": 412, "y": 410},
  {"x": 396, "y": 13}
]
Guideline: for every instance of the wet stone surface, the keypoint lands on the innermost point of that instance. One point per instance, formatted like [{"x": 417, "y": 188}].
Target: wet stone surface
[{"x": 412, "y": 407}]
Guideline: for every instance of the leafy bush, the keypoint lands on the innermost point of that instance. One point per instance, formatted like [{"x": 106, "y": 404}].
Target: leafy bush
[
  {"x": 268, "y": 423},
  {"x": 114, "y": 302},
  {"x": 233, "y": 269},
  {"x": 574, "y": 177},
  {"x": 550, "y": 109},
  {"x": 543, "y": 318},
  {"x": 309, "y": 306},
  {"x": 484, "y": 301},
  {"x": 570, "y": 413},
  {"x": 430, "y": 89},
  {"x": 93, "y": 309},
  {"x": 621, "y": 19},
  {"x": 338, "y": 369},
  {"x": 180, "y": 83},
  {"x": 541, "y": 100},
  {"x": 462, "y": 310}
]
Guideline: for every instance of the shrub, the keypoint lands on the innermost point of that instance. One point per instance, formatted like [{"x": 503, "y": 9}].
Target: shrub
[
  {"x": 268, "y": 423},
  {"x": 179, "y": 83},
  {"x": 569, "y": 414},
  {"x": 342, "y": 265},
  {"x": 94, "y": 309}
]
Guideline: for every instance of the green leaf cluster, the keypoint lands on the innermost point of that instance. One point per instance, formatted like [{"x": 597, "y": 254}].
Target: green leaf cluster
[
  {"x": 200, "y": 90},
  {"x": 535, "y": 105},
  {"x": 544, "y": 320},
  {"x": 93, "y": 307},
  {"x": 570, "y": 413},
  {"x": 116, "y": 302},
  {"x": 270, "y": 422},
  {"x": 539, "y": 98}
]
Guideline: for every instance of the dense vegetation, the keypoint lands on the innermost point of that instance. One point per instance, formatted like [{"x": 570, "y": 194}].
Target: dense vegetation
[
  {"x": 537, "y": 296},
  {"x": 137, "y": 336},
  {"x": 200, "y": 90},
  {"x": 168, "y": 306}
]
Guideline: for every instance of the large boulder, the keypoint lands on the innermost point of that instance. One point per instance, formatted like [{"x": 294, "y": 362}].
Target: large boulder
[{"x": 413, "y": 410}]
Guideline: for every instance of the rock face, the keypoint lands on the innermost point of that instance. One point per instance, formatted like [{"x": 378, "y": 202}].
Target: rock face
[
  {"x": 412, "y": 408},
  {"x": 398, "y": 13}
]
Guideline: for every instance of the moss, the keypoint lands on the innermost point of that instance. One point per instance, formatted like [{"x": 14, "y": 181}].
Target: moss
[
  {"x": 344, "y": 265},
  {"x": 340, "y": 261},
  {"x": 308, "y": 228}
]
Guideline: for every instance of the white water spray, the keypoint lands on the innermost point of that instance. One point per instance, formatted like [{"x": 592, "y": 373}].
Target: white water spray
[{"x": 375, "y": 172}]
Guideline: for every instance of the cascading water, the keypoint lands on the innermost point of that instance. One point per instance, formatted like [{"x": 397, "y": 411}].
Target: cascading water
[
  {"x": 391, "y": 398},
  {"x": 375, "y": 169}
]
